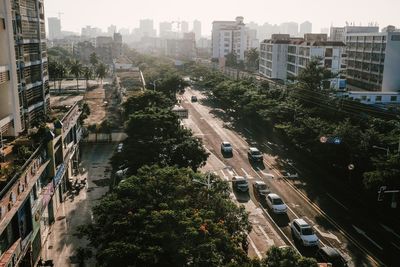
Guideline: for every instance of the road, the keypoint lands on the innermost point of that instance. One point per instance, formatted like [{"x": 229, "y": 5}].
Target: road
[{"x": 357, "y": 245}]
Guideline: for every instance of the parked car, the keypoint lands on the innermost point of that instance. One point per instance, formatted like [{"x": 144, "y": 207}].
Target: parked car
[
  {"x": 261, "y": 189},
  {"x": 226, "y": 147},
  {"x": 290, "y": 174},
  {"x": 276, "y": 204},
  {"x": 193, "y": 98},
  {"x": 254, "y": 154},
  {"x": 240, "y": 183},
  {"x": 304, "y": 233},
  {"x": 330, "y": 255},
  {"x": 120, "y": 147}
]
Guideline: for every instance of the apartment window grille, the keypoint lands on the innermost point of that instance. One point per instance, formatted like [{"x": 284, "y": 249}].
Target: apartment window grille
[{"x": 393, "y": 98}]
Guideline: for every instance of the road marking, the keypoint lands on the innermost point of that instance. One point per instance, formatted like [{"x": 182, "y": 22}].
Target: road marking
[
  {"x": 269, "y": 240},
  {"x": 337, "y": 201},
  {"x": 327, "y": 234},
  {"x": 390, "y": 230},
  {"x": 396, "y": 246},
  {"x": 362, "y": 232},
  {"x": 295, "y": 215},
  {"x": 223, "y": 174},
  {"x": 254, "y": 247},
  {"x": 245, "y": 173}
]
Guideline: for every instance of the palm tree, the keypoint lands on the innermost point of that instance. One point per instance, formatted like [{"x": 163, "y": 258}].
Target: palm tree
[
  {"x": 76, "y": 70},
  {"x": 62, "y": 71},
  {"x": 94, "y": 60},
  {"x": 53, "y": 71},
  {"x": 88, "y": 74},
  {"x": 101, "y": 71}
]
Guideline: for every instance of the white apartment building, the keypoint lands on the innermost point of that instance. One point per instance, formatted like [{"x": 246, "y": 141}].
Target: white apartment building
[
  {"x": 283, "y": 57},
  {"x": 339, "y": 33},
  {"x": 24, "y": 93},
  {"x": 373, "y": 61},
  {"x": 230, "y": 37},
  {"x": 273, "y": 57}
]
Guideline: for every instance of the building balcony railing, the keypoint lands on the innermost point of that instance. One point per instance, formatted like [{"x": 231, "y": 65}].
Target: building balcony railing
[{"x": 4, "y": 76}]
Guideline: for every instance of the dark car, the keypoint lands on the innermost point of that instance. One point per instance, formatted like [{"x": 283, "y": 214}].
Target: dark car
[
  {"x": 330, "y": 255},
  {"x": 239, "y": 183},
  {"x": 254, "y": 154},
  {"x": 193, "y": 98}
]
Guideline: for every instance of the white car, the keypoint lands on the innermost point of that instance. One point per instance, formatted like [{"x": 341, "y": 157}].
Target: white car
[
  {"x": 276, "y": 204},
  {"x": 303, "y": 232},
  {"x": 226, "y": 147}
]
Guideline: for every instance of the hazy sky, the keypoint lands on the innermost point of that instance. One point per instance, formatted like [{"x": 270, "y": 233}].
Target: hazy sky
[{"x": 126, "y": 13}]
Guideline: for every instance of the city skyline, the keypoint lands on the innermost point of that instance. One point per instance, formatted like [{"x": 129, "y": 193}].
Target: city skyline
[{"x": 127, "y": 18}]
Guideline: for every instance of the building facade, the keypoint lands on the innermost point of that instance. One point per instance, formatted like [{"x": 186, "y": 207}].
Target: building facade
[
  {"x": 305, "y": 27},
  {"x": 24, "y": 86},
  {"x": 373, "y": 61},
  {"x": 197, "y": 29},
  {"x": 230, "y": 37},
  {"x": 283, "y": 57},
  {"x": 30, "y": 198}
]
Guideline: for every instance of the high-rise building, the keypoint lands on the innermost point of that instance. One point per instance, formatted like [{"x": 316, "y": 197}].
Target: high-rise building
[
  {"x": 339, "y": 33},
  {"x": 146, "y": 28},
  {"x": 165, "y": 29},
  {"x": 305, "y": 27},
  {"x": 229, "y": 37},
  {"x": 111, "y": 30},
  {"x": 24, "y": 86},
  {"x": 54, "y": 28},
  {"x": 373, "y": 61},
  {"x": 197, "y": 29},
  {"x": 184, "y": 26},
  {"x": 291, "y": 28}
]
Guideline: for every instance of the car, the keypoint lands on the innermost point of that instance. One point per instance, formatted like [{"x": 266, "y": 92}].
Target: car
[
  {"x": 290, "y": 175},
  {"x": 120, "y": 147},
  {"x": 261, "y": 189},
  {"x": 226, "y": 147},
  {"x": 330, "y": 255},
  {"x": 303, "y": 232},
  {"x": 254, "y": 154},
  {"x": 240, "y": 183},
  {"x": 193, "y": 98},
  {"x": 276, "y": 204}
]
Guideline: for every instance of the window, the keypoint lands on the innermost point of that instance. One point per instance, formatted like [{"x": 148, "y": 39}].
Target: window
[
  {"x": 4, "y": 23},
  {"x": 328, "y": 52},
  {"x": 393, "y": 98},
  {"x": 378, "y": 98}
]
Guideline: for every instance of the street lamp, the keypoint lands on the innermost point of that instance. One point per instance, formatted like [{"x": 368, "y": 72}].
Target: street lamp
[
  {"x": 382, "y": 148},
  {"x": 209, "y": 182},
  {"x": 154, "y": 84}
]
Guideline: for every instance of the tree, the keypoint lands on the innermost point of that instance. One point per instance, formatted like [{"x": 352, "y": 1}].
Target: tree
[
  {"x": 155, "y": 136},
  {"x": 162, "y": 217},
  {"x": 53, "y": 71},
  {"x": 231, "y": 60},
  {"x": 312, "y": 76},
  {"x": 94, "y": 60},
  {"x": 287, "y": 257},
  {"x": 88, "y": 74},
  {"x": 101, "y": 72},
  {"x": 62, "y": 71},
  {"x": 170, "y": 84},
  {"x": 76, "y": 69},
  {"x": 386, "y": 172},
  {"x": 146, "y": 99},
  {"x": 252, "y": 58}
]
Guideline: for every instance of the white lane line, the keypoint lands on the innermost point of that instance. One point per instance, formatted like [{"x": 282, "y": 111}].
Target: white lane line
[
  {"x": 337, "y": 201},
  {"x": 269, "y": 240},
  {"x": 254, "y": 247},
  {"x": 396, "y": 246},
  {"x": 224, "y": 175},
  {"x": 390, "y": 230},
  {"x": 362, "y": 232},
  {"x": 245, "y": 173},
  {"x": 295, "y": 215}
]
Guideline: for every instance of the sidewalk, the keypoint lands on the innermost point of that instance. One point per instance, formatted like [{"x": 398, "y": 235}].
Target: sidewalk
[{"x": 61, "y": 244}]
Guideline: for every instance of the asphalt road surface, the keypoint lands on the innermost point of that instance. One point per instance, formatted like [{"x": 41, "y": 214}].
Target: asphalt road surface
[{"x": 360, "y": 242}]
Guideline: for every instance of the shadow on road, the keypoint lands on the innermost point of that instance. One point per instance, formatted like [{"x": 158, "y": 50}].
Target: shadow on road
[{"x": 242, "y": 197}]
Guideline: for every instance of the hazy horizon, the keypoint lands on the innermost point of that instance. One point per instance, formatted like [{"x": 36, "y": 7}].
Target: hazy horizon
[{"x": 321, "y": 13}]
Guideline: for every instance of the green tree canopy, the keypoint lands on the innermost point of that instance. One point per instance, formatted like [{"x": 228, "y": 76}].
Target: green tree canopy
[
  {"x": 146, "y": 99},
  {"x": 287, "y": 257},
  {"x": 162, "y": 217}
]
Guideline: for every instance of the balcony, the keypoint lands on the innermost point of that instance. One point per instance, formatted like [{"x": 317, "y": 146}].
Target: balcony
[{"x": 4, "y": 76}]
